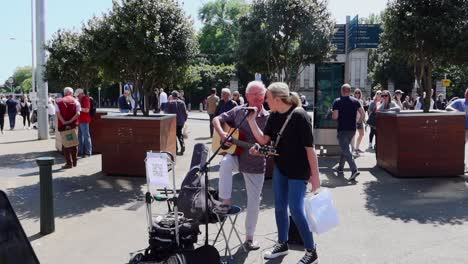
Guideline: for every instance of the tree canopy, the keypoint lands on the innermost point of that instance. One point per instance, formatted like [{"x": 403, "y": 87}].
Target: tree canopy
[
  {"x": 426, "y": 33},
  {"x": 143, "y": 42},
  {"x": 277, "y": 37},
  {"x": 218, "y": 38}
]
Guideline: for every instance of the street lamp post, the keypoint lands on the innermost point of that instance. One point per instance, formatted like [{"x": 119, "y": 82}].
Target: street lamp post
[
  {"x": 10, "y": 81},
  {"x": 42, "y": 90},
  {"x": 99, "y": 96}
]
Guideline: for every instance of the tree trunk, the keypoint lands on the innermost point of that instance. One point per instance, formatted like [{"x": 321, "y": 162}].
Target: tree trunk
[{"x": 427, "y": 87}]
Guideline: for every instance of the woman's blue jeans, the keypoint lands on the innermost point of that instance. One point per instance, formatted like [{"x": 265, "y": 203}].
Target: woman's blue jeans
[{"x": 290, "y": 192}]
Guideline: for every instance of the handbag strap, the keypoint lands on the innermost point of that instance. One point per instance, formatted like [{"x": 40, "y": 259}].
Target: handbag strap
[{"x": 284, "y": 126}]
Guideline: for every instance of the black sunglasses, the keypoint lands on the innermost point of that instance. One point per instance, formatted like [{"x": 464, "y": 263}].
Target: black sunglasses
[{"x": 384, "y": 95}]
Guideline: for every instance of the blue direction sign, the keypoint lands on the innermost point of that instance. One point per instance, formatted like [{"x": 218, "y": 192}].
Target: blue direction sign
[
  {"x": 352, "y": 33},
  {"x": 362, "y": 36},
  {"x": 339, "y": 39},
  {"x": 368, "y": 36}
]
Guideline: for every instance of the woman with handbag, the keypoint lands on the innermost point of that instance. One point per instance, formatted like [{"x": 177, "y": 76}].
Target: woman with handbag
[
  {"x": 68, "y": 110},
  {"x": 290, "y": 127}
]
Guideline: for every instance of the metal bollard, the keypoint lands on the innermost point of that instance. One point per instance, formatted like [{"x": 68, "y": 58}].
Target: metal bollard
[{"x": 47, "y": 195}]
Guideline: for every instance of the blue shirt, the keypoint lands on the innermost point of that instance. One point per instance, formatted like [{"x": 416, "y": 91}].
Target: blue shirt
[
  {"x": 347, "y": 111},
  {"x": 12, "y": 106},
  {"x": 462, "y": 106}
]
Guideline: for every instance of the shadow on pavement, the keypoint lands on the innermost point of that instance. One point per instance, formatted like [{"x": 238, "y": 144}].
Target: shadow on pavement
[
  {"x": 436, "y": 201},
  {"x": 78, "y": 195},
  {"x": 18, "y": 141},
  {"x": 27, "y": 160}
]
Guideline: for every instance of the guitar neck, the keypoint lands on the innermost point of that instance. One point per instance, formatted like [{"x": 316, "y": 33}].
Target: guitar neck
[{"x": 241, "y": 143}]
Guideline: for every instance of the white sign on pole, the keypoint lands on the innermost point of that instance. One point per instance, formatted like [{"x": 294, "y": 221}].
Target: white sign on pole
[
  {"x": 441, "y": 89},
  {"x": 234, "y": 85},
  {"x": 391, "y": 87},
  {"x": 156, "y": 170}
]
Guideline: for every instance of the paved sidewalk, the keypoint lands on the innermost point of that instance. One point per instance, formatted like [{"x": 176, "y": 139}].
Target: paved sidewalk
[{"x": 101, "y": 219}]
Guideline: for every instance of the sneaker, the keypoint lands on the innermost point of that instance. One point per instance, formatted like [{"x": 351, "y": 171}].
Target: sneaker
[
  {"x": 354, "y": 175},
  {"x": 251, "y": 245},
  {"x": 222, "y": 208},
  {"x": 279, "y": 249},
  {"x": 310, "y": 257},
  {"x": 359, "y": 151},
  {"x": 338, "y": 169}
]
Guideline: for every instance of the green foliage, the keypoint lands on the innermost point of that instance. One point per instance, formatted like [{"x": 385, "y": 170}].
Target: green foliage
[
  {"x": 458, "y": 74},
  {"x": 21, "y": 74},
  {"x": 426, "y": 33},
  {"x": 203, "y": 77},
  {"x": 26, "y": 85},
  {"x": 218, "y": 37},
  {"x": 70, "y": 62},
  {"x": 146, "y": 42},
  {"x": 278, "y": 36}
]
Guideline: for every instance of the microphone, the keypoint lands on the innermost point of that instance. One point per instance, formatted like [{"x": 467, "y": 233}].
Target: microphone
[{"x": 249, "y": 109}]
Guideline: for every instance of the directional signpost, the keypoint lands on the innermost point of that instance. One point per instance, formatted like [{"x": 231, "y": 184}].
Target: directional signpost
[{"x": 339, "y": 39}]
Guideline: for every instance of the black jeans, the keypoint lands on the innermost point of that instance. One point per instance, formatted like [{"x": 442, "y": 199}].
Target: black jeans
[
  {"x": 180, "y": 137},
  {"x": 2, "y": 122},
  {"x": 211, "y": 124},
  {"x": 372, "y": 133},
  {"x": 26, "y": 117}
]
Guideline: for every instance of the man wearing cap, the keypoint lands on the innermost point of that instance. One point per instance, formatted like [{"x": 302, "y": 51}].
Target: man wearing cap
[
  {"x": 84, "y": 138},
  {"x": 177, "y": 106},
  {"x": 398, "y": 94}
]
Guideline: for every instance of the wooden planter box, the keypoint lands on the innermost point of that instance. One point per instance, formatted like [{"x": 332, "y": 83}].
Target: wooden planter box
[
  {"x": 125, "y": 139},
  {"x": 417, "y": 144},
  {"x": 96, "y": 131}
]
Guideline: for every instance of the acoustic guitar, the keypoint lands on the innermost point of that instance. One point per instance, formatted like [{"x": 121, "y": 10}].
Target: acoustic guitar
[{"x": 238, "y": 144}]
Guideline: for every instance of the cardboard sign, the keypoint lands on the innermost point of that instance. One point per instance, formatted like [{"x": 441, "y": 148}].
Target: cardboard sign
[{"x": 156, "y": 170}]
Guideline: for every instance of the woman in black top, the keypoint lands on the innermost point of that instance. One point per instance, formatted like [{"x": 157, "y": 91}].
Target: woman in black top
[
  {"x": 25, "y": 111},
  {"x": 294, "y": 167}
]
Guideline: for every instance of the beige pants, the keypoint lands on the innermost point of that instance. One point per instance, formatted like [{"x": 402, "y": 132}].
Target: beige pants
[{"x": 253, "y": 187}]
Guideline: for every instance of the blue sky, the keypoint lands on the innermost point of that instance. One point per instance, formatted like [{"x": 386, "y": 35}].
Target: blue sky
[{"x": 15, "y": 21}]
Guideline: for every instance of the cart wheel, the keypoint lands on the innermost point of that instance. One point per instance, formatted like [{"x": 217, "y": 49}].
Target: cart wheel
[{"x": 136, "y": 259}]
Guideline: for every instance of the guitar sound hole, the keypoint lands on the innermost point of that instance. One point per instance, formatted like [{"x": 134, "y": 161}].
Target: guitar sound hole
[{"x": 224, "y": 147}]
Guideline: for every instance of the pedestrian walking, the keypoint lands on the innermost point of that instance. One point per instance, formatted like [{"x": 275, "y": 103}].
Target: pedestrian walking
[
  {"x": 3, "y": 110},
  {"x": 372, "y": 119},
  {"x": 25, "y": 111},
  {"x": 124, "y": 102},
  {"x": 51, "y": 113},
  {"x": 163, "y": 99},
  {"x": 154, "y": 101},
  {"x": 359, "y": 125},
  {"x": 345, "y": 110},
  {"x": 177, "y": 107},
  {"x": 12, "y": 105},
  {"x": 211, "y": 106}
]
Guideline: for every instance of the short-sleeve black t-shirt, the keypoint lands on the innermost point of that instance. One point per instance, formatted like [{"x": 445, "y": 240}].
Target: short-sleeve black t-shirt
[
  {"x": 347, "y": 111},
  {"x": 292, "y": 160}
]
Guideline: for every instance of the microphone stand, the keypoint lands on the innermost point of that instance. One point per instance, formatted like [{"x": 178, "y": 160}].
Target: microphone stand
[{"x": 204, "y": 169}]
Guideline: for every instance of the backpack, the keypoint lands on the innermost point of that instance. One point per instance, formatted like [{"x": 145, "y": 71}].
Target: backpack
[{"x": 92, "y": 108}]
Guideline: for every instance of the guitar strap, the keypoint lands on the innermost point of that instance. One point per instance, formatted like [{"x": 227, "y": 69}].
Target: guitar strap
[{"x": 284, "y": 126}]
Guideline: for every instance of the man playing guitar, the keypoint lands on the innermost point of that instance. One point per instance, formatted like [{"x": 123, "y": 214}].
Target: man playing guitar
[{"x": 252, "y": 167}]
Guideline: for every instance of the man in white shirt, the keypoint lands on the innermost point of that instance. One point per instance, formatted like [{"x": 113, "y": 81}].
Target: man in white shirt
[{"x": 162, "y": 99}]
